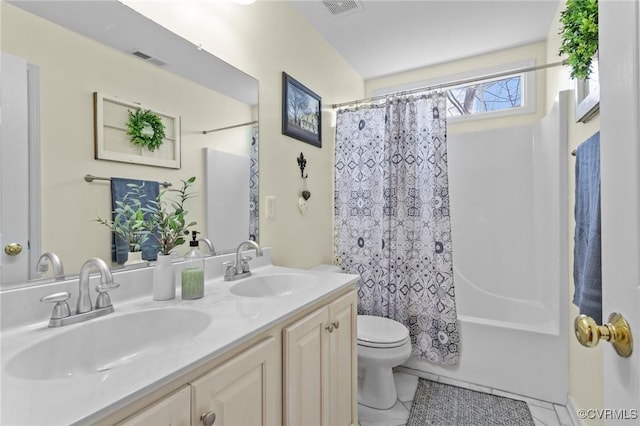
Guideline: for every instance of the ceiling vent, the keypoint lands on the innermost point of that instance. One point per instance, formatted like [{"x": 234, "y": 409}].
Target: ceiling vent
[
  {"x": 339, "y": 7},
  {"x": 148, "y": 58}
]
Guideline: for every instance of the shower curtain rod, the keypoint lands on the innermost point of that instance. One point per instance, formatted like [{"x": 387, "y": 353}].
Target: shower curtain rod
[
  {"x": 450, "y": 84},
  {"x": 250, "y": 123}
]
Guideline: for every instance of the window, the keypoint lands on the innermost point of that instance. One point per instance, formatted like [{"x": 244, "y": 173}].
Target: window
[
  {"x": 485, "y": 96},
  {"x": 509, "y": 92}
]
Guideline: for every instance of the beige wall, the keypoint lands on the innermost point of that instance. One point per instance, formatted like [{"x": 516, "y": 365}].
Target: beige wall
[
  {"x": 585, "y": 365},
  {"x": 264, "y": 40}
]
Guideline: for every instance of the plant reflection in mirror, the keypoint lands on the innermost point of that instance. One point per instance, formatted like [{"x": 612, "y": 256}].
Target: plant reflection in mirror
[
  {"x": 166, "y": 220},
  {"x": 128, "y": 221}
]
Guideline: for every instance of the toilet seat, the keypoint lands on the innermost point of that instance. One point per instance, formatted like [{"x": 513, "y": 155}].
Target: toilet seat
[{"x": 379, "y": 332}]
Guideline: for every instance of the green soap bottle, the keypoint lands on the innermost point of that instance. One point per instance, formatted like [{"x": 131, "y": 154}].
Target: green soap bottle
[{"x": 193, "y": 271}]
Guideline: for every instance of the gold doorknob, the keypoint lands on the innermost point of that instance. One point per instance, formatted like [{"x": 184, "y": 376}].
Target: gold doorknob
[
  {"x": 616, "y": 331},
  {"x": 13, "y": 249}
]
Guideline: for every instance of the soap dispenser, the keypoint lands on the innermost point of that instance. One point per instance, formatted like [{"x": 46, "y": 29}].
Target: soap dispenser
[{"x": 193, "y": 271}]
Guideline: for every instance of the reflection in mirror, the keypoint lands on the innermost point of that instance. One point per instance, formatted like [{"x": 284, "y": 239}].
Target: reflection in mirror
[{"x": 66, "y": 51}]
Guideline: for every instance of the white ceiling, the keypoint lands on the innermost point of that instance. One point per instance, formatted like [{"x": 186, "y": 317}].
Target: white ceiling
[{"x": 385, "y": 37}]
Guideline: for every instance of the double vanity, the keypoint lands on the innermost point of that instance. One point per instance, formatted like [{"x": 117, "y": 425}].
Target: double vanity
[{"x": 278, "y": 347}]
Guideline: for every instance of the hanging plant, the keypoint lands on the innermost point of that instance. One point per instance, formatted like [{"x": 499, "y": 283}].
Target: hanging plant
[
  {"x": 146, "y": 129},
  {"x": 579, "y": 34}
]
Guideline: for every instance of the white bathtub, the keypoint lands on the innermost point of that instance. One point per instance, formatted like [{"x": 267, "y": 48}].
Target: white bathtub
[{"x": 509, "y": 214}]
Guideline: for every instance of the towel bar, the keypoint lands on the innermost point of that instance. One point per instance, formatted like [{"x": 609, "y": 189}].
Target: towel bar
[{"x": 91, "y": 178}]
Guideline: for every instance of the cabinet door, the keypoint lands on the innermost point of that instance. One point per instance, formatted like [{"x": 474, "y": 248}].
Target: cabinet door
[
  {"x": 343, "y": 376},
  {"x": 174, "y": 410},
  {"x": 306, "y": 370},
  {"x": 244, "y": 391}
]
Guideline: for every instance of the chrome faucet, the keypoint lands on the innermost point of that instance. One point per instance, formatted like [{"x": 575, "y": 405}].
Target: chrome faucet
[
  {"x": 56, "y": 263},
  {"x": 209, "y": 244},
  {"x": 241, "y": 268},
  {"x": 106, "y": 283},
  {"x": 84, "y": 308}
]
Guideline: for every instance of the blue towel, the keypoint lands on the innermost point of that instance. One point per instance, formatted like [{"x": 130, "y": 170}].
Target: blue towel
[
  {"x": 120, "y": 247},
  {"x": 587, "y": 262}
]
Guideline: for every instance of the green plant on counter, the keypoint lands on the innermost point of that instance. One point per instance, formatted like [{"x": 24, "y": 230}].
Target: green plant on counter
[
  {"x": 579, "y": 34},
  {"x": 167, "y": 219},
  {"x": 146, "y": 129},
  {"x": 128, "y": 221}
]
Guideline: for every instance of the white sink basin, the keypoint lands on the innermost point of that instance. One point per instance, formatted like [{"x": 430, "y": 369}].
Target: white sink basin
[
  {"x": 106, "y": 343},
  {"x": 273, "y": 285}
]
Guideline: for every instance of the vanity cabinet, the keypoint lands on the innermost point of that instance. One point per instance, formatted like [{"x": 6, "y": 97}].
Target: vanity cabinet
[
  {"x": 305, "y": 365},
  {"x": 320, "y": 366},
  {"x": 243, "y": 390},
  {"x": 173, "y": 410}
]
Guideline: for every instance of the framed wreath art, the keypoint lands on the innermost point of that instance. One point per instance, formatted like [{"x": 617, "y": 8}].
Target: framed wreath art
[
  {"x": 146, "y": 129},
  {"x": 132, "y": 133}
]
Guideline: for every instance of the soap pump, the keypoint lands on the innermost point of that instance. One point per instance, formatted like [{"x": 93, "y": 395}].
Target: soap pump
[{"x": 193, "y": 271}]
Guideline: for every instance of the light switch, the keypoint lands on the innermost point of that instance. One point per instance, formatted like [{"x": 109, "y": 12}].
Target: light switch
[{"x": 270, "y": 206}]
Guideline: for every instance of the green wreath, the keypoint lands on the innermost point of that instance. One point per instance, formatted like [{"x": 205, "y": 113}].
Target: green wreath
[{"x": 146, "y": 129}]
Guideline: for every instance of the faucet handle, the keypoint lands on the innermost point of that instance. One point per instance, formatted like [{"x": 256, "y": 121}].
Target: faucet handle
[
  {"x": 104, "y": 300},
  {"x": 245, "y": 263},
  {"x": 103, "y": 287},
  {"x": 61, "y": 308},
  {"x": 229, "y": 269}
]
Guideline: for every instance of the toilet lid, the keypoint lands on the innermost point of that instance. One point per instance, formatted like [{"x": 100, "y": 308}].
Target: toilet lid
[{"x": 380, "y": 332}]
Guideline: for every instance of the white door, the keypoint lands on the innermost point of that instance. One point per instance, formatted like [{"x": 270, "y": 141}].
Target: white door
[
  {"x": 620, "y": 173},
  {"x": 14, "y": 174}
]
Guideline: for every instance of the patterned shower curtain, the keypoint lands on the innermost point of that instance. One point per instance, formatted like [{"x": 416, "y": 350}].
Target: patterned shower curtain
[
  {"x": 254, "y": 196},
  {"x": 392, "y": 218}
]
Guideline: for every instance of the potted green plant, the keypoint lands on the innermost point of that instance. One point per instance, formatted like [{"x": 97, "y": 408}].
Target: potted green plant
[
  {"x": 579, "y": 33},
  {"x": 128, "y": 221},
  {"x": 167, "y": 223}
]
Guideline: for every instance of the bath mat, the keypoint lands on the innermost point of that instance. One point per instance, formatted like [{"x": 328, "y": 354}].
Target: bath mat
[{"x": 437, "y": 404}]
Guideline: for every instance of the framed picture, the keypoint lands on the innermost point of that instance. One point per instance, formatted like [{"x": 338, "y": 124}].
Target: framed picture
[
  {"x": 587, "y": 94},
  {"x": 301, "y": 117},
  {"x": 112, "y": 141}
]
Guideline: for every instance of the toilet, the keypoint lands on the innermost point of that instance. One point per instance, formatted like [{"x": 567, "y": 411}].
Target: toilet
[{"x": 382, "y": 344}]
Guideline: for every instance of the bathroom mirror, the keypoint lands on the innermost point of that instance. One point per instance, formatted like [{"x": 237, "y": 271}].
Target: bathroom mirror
[{"x": 78, "y": 48}]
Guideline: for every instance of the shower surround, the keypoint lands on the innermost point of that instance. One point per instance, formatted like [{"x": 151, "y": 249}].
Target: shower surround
[{"x": 510, "y": 233}]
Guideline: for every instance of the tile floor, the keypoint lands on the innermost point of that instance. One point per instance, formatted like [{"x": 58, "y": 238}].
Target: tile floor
[{"x": 543, "y": 413}]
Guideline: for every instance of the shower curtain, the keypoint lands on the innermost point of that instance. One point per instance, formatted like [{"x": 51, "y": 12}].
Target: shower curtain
[
  {"x": 254, "y": 196},
  {"x": 392, "y": 218}
]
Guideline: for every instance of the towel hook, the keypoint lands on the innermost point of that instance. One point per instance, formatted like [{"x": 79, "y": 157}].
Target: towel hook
[{"x": 302, "y": 163}]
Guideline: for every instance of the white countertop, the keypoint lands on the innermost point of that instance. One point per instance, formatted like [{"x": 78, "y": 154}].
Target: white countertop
[{"x": 87, "y": 398}]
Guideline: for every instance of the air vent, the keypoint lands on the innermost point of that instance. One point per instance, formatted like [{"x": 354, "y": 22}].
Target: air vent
[
  {"x": 148, "y": 58},
  {"x": 338, "y": 7}
]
